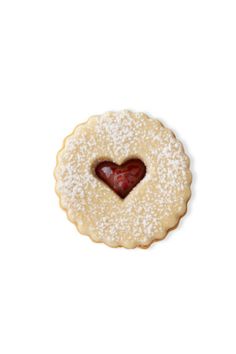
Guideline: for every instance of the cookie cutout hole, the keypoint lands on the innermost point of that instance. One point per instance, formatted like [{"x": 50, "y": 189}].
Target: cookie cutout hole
[{"x": 121, "y": 178}]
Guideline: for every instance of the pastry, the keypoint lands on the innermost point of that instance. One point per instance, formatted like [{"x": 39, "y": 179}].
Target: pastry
[{"x": 123, "y": 179}]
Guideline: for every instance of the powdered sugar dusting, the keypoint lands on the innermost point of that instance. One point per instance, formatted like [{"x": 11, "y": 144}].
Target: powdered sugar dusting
[{"x": 152, "y": 207}]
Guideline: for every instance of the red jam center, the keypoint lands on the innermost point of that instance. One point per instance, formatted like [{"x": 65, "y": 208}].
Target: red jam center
[{"x": 121, "y": 178}]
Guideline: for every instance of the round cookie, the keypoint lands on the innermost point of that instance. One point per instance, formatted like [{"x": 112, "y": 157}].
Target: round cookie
[{"x": 153, "y": 204}]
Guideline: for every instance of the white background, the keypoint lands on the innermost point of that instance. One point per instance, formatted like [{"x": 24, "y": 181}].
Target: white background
[{"x": 60, "y": 62}]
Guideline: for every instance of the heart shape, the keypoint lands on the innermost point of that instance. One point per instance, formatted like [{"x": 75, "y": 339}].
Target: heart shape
[{"x": 121, "y": 178}]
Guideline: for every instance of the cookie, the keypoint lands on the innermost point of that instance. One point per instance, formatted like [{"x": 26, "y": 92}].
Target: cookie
[{"x": 123, "y": 179}]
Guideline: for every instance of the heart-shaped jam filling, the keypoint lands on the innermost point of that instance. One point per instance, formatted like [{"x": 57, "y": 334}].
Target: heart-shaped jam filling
[{"x": 121, "y": 178}]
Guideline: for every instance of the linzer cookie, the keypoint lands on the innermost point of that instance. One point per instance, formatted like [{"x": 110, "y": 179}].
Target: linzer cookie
[{"x": 123, "y": 179}]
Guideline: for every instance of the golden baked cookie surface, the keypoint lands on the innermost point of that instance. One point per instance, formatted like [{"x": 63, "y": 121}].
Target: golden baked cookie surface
[{"x": 154, "y": 205}]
